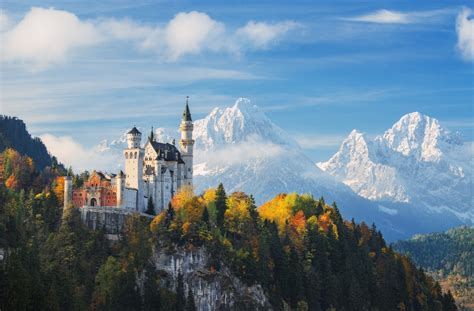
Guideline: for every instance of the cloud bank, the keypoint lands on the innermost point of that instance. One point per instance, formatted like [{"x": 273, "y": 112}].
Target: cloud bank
[
  {"x": 44, "y": 36},
  {"x": 465, "y": 32},
  {"x": 48, "y": 36},
  {"x": 71, "y": 153}
]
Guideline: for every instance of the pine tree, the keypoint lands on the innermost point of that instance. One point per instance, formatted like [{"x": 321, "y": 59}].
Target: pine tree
[
  {"x": 180, "y": 296},
  {"x": 448, "y": 302},
  {"x": 150, "y": 208},
  {"x": 221, "y": 205},
  {"x": 205, "y": 216},
  {"x": 190, "y": 305}
]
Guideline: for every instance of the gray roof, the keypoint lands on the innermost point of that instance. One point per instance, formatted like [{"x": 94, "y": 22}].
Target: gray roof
[
  {"x": 134, "y": 130},
  {"x": 187, "y": 113},
  {"x": 167, "y": 152}
]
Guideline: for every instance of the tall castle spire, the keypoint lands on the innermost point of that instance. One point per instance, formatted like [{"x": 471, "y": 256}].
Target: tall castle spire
[
  {"x": 186, "y": 112},
  {"x": 186, "y": 143}
]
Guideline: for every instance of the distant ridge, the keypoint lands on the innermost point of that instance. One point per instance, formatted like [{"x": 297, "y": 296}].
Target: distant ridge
[{"x": 13, "y": 134}]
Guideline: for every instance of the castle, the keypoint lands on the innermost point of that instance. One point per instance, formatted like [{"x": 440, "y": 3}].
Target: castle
[{"x": 153, "y": 173}]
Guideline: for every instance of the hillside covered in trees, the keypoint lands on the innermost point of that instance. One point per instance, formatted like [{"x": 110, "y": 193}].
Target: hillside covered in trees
[
  {"x": 297, "y": 248},
  {"x": 448, "y": 257},
  {"x": 13, "y": 134}
]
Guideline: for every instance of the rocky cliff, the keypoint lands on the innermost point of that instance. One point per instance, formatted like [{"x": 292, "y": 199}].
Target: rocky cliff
[{"x": 212, "y": 290}]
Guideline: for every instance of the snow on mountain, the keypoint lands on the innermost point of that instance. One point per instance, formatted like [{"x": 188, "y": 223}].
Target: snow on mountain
[
  {"x": 415, "y": 161},
  {"x": 242, "y": 148}
]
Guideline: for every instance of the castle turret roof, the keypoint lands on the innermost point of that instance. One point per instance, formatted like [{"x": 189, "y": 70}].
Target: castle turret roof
[
  {"x": 187, "y": 113},
  {"x": 134, "y": 130}
]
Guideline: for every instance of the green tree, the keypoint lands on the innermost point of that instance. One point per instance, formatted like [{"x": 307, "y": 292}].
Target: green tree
[
  {"x": 190, "y": 305},
  {"x": 221, "y": 205},
  {"x": 150, "y": 208}
]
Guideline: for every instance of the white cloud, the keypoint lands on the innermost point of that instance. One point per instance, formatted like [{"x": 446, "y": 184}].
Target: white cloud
[
  {"x": 5, "y": 22},
  {"x": 49, "y": 36},
  {"x": 465, "y": 31},
  {"x": 395, "y": 17},
  {"x": 252, "y": 149},
  {"x": 261, "y": 34},
  {"x": 383, "y": 17},
  {"x": 190, "y": 33},
  {"x": 71, "y": 153},
  {"x": 319, "y": 141},
  {"x": 46, "y": 36}
]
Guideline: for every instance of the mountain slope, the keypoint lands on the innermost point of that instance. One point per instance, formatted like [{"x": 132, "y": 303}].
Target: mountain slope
[
  {"x": 13, "y": 134},
  {"x": 242, "y": 148},
  {"x": 448, "y": 257},
  {"x": 416, "y": 161}
]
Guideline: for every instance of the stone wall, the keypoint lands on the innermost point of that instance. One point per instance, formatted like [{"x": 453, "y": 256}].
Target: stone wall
[{"x": 108, "y": 217}]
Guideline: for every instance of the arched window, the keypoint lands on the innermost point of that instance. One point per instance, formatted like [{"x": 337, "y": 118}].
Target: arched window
[
  {"x": 135, "y": 154},
  {"x": 93, "y": 202},
  {"x": 126, "y": 155}
]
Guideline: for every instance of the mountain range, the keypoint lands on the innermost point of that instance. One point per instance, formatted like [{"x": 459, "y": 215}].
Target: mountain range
[{"x": 413, "y": 179}]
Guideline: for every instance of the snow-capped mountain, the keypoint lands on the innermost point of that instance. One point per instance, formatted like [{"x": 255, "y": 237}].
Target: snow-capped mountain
[
  {"x": 415, "y": 161},
  {"x": 242, "y": 148}
]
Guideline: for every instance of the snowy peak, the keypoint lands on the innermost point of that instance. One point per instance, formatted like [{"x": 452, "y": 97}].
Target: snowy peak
[
  {"x": 239, "y": 123},
  {"x": 416, "y": 160},
  {"x": 419, "y": 136}
]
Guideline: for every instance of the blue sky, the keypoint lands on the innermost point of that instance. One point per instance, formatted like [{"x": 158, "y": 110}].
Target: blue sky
[{"x": 88, "y": 70}]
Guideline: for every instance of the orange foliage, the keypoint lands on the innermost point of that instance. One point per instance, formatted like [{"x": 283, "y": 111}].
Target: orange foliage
[
  {"x": 182, "y": 196},
  {"x": 324, "y": 221},
  {"x": 298, "y": 223},
  {"x": 11, "y": 183},
  {"x": 59, "y": 189}
]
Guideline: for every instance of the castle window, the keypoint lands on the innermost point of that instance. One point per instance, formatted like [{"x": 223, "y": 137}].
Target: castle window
[
  {"x": 126, "y": 155},
  {"x": 135, "y": 154}
]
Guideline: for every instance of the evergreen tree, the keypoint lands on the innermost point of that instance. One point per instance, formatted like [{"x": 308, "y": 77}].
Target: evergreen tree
[
  {"x": 180, "y": 296},
  {"x": 221, "y": 205},
  {"x": 151, "y": 295},
  {"x": 190, "y": 305},
  {"x": 150, "y": 208},
  {"x": 449, "y": 304}
]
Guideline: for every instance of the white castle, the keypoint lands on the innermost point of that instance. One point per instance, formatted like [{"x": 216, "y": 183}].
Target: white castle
[{"x": 155, "y": 171}]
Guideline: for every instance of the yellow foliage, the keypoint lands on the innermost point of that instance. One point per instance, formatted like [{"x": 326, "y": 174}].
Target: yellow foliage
[
  {"x": 182, "y": 196},
  {"x": 312, "y": 221},
  {"x": 157, "y": 221},
  {"x": 278, "y": 210},
  {"x": 210, "y": 195},
  {"x": 237, "y": 213}
]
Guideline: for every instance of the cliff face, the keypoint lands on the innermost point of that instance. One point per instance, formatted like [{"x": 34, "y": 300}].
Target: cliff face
[{"x": 212, "y": 290}]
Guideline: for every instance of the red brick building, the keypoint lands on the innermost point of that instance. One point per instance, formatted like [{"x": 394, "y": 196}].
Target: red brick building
[{"x": 99, "y": 190}]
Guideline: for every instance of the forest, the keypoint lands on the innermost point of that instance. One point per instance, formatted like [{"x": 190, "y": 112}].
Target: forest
[
  {"x": 449, "y": 258},
  {"x": 301, "y": 251}
]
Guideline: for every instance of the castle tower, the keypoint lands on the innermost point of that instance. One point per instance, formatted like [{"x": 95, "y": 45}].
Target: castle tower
[
  {"x": 67, "y": 191},
  {"x": 119, "y": 185},
  {"x": 187, "y": 143},
  {"x": 134, "y": 165}
]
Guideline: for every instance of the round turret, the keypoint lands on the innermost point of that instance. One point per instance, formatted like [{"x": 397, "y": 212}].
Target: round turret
[{"x": 134, "y": 138}]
